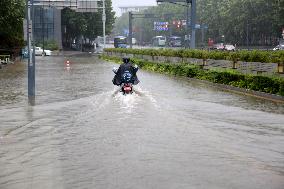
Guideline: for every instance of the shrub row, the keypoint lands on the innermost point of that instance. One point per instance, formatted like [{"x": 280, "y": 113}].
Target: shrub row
[
  {"x": 246, "y": 56},
  {"x": 50, "y": 45},
  {"x": 229, "y": 77}
]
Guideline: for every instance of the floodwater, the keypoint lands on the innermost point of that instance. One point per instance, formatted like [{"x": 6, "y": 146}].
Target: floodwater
[{"x": 173, "y": 133}]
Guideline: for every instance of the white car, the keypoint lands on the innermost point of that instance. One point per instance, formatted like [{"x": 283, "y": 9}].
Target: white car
[
  {"x": 39, "y": 52},
  {"x": 279, "y": 47},
  {"x": 230, "y": 47}
]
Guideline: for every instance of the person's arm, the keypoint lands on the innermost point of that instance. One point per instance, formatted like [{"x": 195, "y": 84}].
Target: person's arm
[
  {"x": 119, "y": 70},
  {"x": 135, "y": 68}
]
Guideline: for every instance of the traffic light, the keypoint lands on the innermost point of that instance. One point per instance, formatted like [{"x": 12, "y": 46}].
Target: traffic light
[{"x": 179, "y": 24}]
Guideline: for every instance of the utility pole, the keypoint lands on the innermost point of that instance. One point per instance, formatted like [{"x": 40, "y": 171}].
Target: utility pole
[
  {"x": 104, "y": 22},
  {"x": 187, "y": 25},
  {"x": 31, "y": 53},
  {"x": 130, "y": 29},
  {"x": 247, "y": 35},
  {"x": 42, "y": 26},
  {"x": 193, "y": 22}
]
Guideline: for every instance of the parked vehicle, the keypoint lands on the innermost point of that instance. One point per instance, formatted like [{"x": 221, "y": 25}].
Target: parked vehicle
[
  {"x": 279, "y": 47},
  {"x": 120, "y": 42},
  {"x": 229, "y": 47},
  {"x": 218, "y": 46},
  {"x": 159, "y": 41},
  {"x": 224, "y": 47},
  {"x": 174, "y": 41},
  {"x": 40, "y": 52}
]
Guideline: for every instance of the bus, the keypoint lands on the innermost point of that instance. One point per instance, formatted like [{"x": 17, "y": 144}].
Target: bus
[
  {"x": 159, "y": 41},
  {"x": 174, "y": 41},
  {"x": 120, "y": 42}
]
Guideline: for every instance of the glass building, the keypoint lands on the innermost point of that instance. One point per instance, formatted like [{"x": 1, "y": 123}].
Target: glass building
[{"x": 47, "y": 25}]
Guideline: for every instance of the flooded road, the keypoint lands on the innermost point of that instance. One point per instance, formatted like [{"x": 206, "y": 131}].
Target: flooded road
[{"x": 173, "y": 134}]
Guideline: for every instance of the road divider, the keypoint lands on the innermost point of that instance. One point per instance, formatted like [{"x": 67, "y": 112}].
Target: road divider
[{"x": 246, "y": 83}]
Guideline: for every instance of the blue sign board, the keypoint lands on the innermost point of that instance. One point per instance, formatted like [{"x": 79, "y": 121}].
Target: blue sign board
[{"x": 161, "y": 26}]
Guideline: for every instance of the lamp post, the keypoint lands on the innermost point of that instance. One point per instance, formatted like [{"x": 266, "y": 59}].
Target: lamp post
[
  {"x": 104, "y": 22},
  {"x": 187, "y": 26},
  {"x": 247, "y": 36},
  {"x": 31, "y": 53},
  {"x": 193, "y": 22}
]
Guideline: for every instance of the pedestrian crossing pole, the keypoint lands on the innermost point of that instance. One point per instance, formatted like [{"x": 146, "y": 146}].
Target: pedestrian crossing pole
[{"x": 31, "y": 53}]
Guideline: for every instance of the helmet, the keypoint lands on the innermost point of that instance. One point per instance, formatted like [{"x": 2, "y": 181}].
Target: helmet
[{"x": 126, "y": 59}]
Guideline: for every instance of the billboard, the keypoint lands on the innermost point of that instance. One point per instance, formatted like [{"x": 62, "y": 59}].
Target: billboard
[
  {"x": 78, "y": 5},
  {"x": 87, "y": 6},
  {"x": 59, "y": 4}
]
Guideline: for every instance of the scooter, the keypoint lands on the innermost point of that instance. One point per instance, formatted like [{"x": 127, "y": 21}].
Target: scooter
[{"x": 126, "y": 87}]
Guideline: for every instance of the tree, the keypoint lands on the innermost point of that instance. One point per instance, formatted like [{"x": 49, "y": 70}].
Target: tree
[
  {"x": 87, "y": 25},
  {"x": 260, "y": 20},
  {"x": 11, "y": 23}
]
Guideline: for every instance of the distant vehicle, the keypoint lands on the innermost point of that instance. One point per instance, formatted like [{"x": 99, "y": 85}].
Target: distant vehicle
[
  {"x": 39, "y": 52},
  {"x": 120, "y": 42},
  {"x": 279, "y": 47},
  {"x": 134, "y": 41},
  {"x": 219, "y": 46},
  {"x": 229, "y": 47},
  {"x": 174, "y": 41},
  {"x": 159, "y": 41}
]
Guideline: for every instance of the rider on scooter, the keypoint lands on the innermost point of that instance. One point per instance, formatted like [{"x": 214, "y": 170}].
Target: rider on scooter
[{"x": 126, "y": 73}]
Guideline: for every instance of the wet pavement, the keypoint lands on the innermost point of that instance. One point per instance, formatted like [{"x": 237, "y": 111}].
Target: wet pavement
[{"x": 173, "y": 133}]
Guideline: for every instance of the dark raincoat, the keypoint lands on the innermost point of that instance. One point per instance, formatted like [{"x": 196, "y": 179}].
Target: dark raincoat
[{"x": 118, "y": 78}]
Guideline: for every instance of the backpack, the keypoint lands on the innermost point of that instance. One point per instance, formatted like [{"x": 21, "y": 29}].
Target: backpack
[{"x": 127, "y": 77}]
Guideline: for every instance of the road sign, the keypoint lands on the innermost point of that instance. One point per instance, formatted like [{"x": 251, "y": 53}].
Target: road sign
[
  {"x": 59, "y": 4},
  {"x": 25, "y": 28},
  {"x": 173, "y": 1},
  {"x": 187, "y": 37},
  {"x": 161, "y": 26},
  {"x": 78, "y": 5},
  {"x": 87, "y": 6}
]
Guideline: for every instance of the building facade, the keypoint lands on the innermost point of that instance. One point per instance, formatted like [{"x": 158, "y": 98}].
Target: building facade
[{"x": 47, "y": 25}]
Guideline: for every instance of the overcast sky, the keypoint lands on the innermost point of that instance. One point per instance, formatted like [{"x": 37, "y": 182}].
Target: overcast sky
[{"x": 119, "y": 3}]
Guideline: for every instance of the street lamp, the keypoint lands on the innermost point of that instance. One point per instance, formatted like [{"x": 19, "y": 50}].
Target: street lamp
[{"x": 193, "y": 17}]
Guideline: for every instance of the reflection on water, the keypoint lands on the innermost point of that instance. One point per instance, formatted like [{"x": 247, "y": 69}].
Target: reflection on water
[{"x": 171, "y": 133}]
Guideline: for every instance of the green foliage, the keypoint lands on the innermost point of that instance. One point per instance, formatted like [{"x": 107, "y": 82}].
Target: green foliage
[
  {"x": 88, "y": 25},
  {"x": 247, "y": 56},
  {"x": 11, "y": 23},
  {"x": 50, "y": 45},
  {"x": 264, "y": 18},
  {"x": 252, "y": 82}
]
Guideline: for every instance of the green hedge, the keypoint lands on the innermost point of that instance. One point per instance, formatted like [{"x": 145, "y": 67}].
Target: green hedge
[
  {"x": 266, "y": 84},
  {"x": 50, "y": 45},
  {"x": 246, "y": 56}
]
